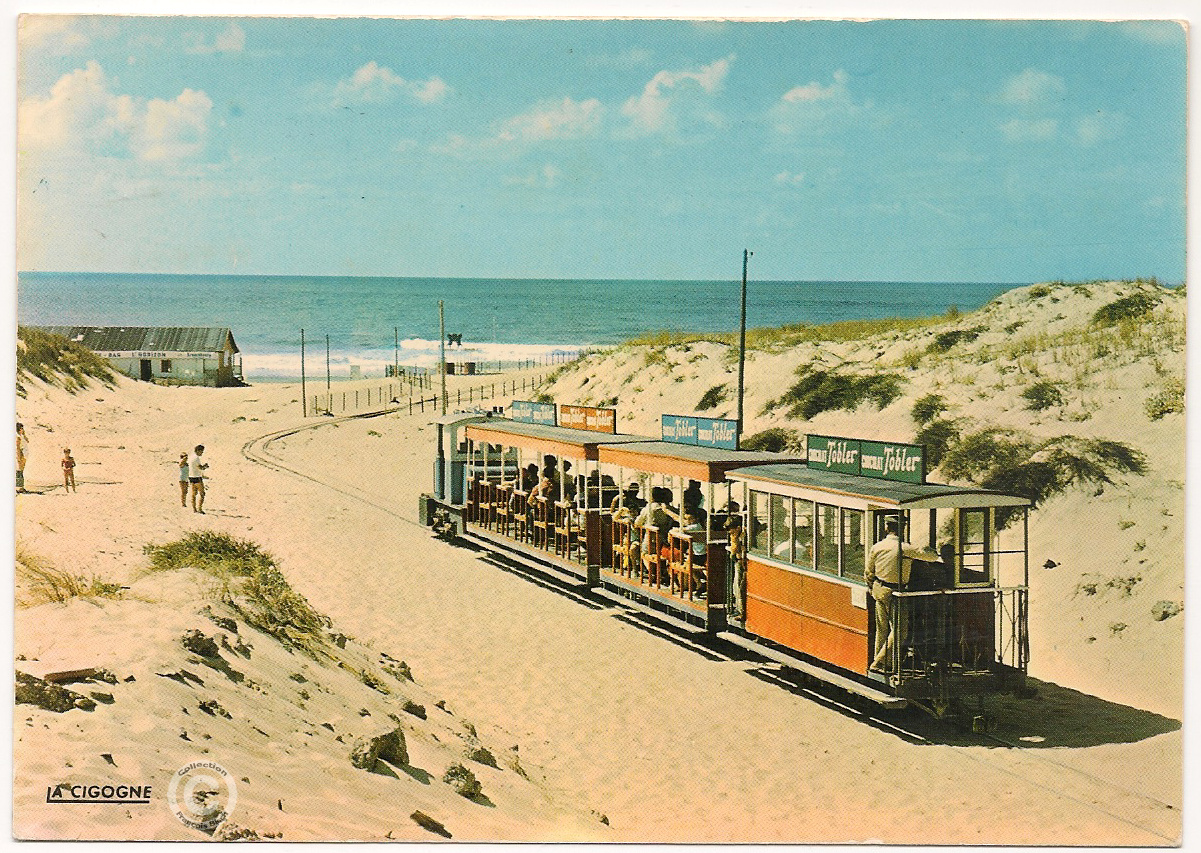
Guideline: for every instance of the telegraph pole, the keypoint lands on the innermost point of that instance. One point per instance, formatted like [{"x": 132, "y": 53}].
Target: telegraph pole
[
  {"x": 396, "y": 362},
  {"x": 327, "y": 366},
  {"x": 742, "y": 345},
  {"x": 442, "y": 348},
  {"x": 304, "y": 400}
]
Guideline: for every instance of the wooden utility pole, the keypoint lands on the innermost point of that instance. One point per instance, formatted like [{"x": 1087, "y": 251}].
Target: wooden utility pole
[
  {"x": 442, "y": 348},
  {"x": 327, "y": 364},
  {"x": 396, "y": 362},
  {"x": 304, "y": 401},
  {"x": 742, "y": 346}
]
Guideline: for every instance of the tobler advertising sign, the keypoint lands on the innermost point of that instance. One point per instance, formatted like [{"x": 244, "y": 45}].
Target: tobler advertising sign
[
  {"x": 530, "y": 412},
  {"x": 704, "y": 432},
  {"x": 883, "y": 460}
]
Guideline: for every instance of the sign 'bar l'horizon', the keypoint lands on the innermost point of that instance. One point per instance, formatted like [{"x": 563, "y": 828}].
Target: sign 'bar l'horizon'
[
  {"x": 883, "y": 460},
  {"x": 704, "y": 432}
]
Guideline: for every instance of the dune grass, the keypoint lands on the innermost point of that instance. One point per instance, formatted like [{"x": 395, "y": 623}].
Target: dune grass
[
  {"x": 39, "y": 582},
  {"x": 818, "y": 391},
  {"x": 58, "y": 361},
  {"x": 1014, "y": 462},
  {"x": 776, "y": 338},
  {"x": 250, "y": 581}
]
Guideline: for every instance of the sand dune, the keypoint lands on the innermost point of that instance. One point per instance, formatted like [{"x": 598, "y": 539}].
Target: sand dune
[{"x": 673, "y": 737}]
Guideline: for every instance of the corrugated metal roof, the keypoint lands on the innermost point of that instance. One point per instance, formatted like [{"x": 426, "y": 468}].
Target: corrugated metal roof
[
  {"x": 565, "y": 435},
  {"x": 868, "y": 487},
  {"x": 130, "y": 338}
]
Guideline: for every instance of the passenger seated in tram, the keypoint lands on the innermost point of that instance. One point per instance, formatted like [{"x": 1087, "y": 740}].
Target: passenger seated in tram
[
  {"x": 628, "y": 502},
  {"x": 659, "y": 515},
  {"x": 529, "y": 477},
  {"x": 694, "y": 524},
  {"x": 693, "y": 496}
]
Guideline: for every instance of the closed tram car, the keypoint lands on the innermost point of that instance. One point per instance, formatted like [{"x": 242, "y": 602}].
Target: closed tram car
[{"x": 788, "y": 555}]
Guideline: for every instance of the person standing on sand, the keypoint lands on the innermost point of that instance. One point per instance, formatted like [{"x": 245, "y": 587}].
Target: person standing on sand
[
  {"x": 183, "y": 480},
  {"x": 22, "y": 457},
  {"x": 196, "y": 470},
  {"x": 68, "y": 471}
]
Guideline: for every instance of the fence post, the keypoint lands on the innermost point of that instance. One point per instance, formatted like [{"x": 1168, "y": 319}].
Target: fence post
[
  {"x": 344, "y": 401},
  {"x": 410, "y": 405}
]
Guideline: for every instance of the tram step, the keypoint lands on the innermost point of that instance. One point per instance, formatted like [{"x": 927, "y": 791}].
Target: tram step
[{"x": 886, "y": 700}]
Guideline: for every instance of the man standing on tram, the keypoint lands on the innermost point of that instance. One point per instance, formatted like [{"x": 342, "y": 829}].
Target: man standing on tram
[{"x": 884, "y": 577}]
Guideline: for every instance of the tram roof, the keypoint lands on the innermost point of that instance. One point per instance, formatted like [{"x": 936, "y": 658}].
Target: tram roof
[
  {"x": 696, "y": 462},
  {"x": 552, "y": 439},
  {"x": 910, "y": 495}
]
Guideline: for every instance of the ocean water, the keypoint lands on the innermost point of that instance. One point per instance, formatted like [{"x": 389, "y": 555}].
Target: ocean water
[{"x": 505, "y": 320}]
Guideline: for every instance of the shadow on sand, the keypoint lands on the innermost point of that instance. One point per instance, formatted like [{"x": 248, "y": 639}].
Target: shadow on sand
[{"x": 1054, "y": 716}]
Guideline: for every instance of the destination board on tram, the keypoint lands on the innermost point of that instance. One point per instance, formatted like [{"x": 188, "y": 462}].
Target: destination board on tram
[
  {"x": 705, "y": 432},
  {"x": 527, "y": 411},
  {"x": 883, "y": 460},
  {"x": 589, "y": 418}
]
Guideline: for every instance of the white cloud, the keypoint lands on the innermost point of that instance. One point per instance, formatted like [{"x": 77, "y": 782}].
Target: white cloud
[
  {"x": 1030, "y": 130},
  {"x": 375, "y": 83},
  {"x": 792, "y": 179},
  {"x": 230, "y": 40},
  {"x": 83, "y": 114},
  {"x": 815, "y": 91},
  {"x": 1099, "y": 126},
  {"x": 58, "y": 32},
  {"x": 1031, "y": 87},
  {"x": 673, "y": 99},
  {"x": 634, "y": 57},
  {"x": 544, "y": 178},
  {"x": 816, "y": 108},
  {"x": 566, "y": 119}
]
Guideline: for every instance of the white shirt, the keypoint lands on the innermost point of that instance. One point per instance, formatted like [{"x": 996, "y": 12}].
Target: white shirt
[{"x": 196, "y": 466}]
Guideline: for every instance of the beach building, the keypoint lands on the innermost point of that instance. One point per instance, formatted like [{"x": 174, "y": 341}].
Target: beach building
[{"x": 172, "y": 355}]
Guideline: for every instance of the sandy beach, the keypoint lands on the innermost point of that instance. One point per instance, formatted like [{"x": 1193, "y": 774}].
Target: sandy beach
[{"x": 670, "y": 736}]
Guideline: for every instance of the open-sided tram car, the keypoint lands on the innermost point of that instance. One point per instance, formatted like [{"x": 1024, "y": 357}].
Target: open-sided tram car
[{"x": 779, "y": 560}]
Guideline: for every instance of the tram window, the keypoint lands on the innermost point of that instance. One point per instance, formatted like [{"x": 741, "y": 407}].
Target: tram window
[
  {"x": 852, "y": 544},
  {"x": 973, "y": 546},
  {"x": 757, "y": 541},
  {"x": 781, "y": 528},
  {"x": 827, "y": 539},
  {"x": 803, "y": 534}
]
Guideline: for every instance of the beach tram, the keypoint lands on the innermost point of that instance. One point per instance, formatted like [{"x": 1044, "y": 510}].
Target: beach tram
[
  {"x": 672, "y": 554},
  {"x": 534, "y": 487},
  {"x": 956, "y": 625}
]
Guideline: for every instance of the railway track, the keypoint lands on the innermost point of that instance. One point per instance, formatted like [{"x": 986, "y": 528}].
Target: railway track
[{"x": 1103, "y": 796}]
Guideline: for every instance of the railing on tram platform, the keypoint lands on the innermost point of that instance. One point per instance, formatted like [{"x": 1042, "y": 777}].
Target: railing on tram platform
[{"x": 959, "y": 633}]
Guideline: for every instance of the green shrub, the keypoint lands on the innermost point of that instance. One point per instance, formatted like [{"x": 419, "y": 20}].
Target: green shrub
[
  {"x": 58, "y": 361},
  {"x": 251, "y": 582},
  {"x": 937, "y": 437},
  {"x": 1041, "y": 396},
  {"x": 712, "y": 398},
  {"x": 1134, "y": 307},
  {"x": 927, "y": 408},
  {"x": 1169, "y": 401},
  {"x": 1008, "y": 461},
  {"x": 820, "y": 391},
  {"x": 1039, "y": 291},
  {"x": 944, "y": 341},
  {"x": 773, "y": 440}
]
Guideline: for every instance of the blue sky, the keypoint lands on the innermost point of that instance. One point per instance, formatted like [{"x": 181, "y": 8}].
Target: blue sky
[{"x": 889, "y": 150}]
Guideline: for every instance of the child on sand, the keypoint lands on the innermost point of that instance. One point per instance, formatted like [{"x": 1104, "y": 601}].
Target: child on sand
[
  {"x": 68, "y": 471},
  {"x": 183, "y": 479}
]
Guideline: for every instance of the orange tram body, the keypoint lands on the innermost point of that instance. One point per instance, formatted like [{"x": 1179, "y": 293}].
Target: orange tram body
[{"x": 770, "y": 551}]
